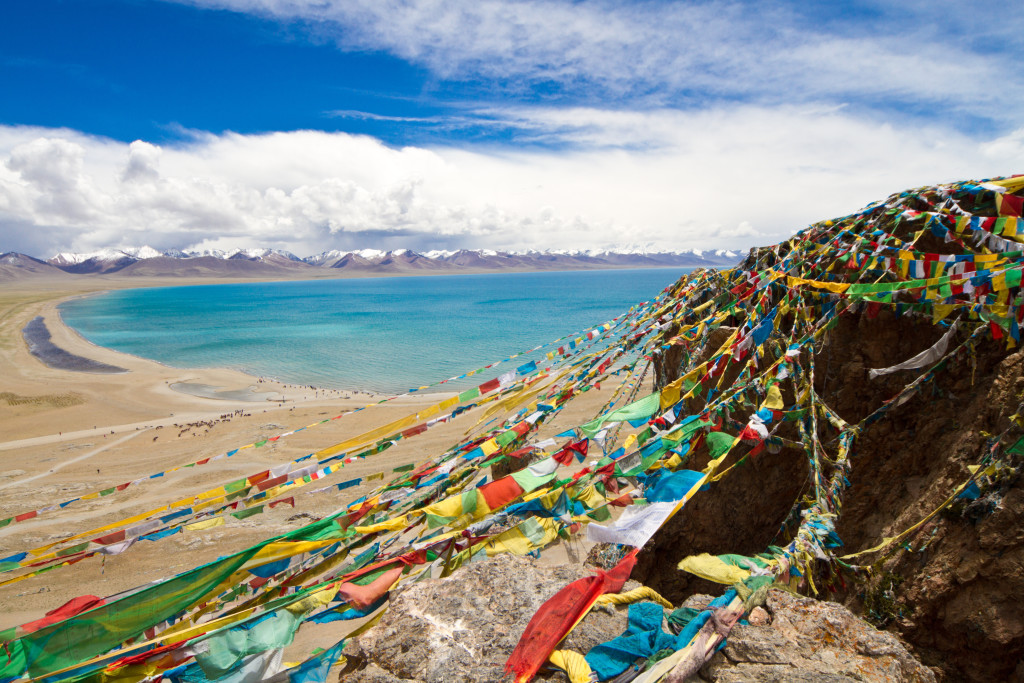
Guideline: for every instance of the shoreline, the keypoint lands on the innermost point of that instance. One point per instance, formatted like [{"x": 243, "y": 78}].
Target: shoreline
[
  {"x": 37, "y": 400},
  {"x": 254, "y": 379}
]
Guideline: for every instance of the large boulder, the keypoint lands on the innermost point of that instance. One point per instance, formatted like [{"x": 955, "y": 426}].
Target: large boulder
[{"x": 464, "y": 627}]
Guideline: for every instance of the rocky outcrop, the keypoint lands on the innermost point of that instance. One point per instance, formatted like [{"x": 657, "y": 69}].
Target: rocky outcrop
[
  {"x": 464, "y": 627},
  {"x": 802, "y": 639}
]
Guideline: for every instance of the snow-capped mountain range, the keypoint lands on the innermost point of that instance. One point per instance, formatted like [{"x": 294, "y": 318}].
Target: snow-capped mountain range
[{"x": 254, "y": 262}]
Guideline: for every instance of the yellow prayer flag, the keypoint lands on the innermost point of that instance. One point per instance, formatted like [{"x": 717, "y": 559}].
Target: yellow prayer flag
[
  {"x": 386, "y": 525},
  {"x": 713, "y": 569},
  {"x": 209, "y": 503},
  {"x": 429, "y": 412},
  {"x": 1010, "y": 229},
  {"x": 205, "y": 524},
  {"x": 630, "y": 440},
  {"x": 837, "y": 287},
  {"x": 1011, "y": 184},
  {"x": 941, "y": 311},
  {"x": 773, "y": 401},
  {"x": 671, "y": 393}
]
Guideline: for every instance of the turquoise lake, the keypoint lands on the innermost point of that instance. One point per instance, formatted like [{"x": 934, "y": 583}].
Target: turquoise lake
[{"x": 380, "y": 334}]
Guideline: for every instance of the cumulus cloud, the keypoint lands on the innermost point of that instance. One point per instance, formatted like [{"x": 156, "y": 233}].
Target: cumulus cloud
[{"x": 723, "y": 177}]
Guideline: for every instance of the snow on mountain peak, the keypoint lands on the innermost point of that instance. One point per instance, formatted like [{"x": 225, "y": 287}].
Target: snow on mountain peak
[
  {"x": 631, "y": 254},
  {"x": 142, "y": 252},
  {"x": 108, "y": 254}
]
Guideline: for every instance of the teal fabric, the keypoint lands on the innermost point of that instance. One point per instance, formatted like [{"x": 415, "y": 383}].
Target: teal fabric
[
  {"x": 642, "y": 638},
  {"x": 673, "y": 486},
  {"x": 229, "y": 647}
]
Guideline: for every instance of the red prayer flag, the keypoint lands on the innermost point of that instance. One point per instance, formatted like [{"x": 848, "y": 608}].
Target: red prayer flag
[
  {"x": 271, "y": 483},
  {"x": 489, "y": 386},
  {"x": 115, "y": 537},
  {"x": 143, "y": 656},
  {"x": 500, "y": 492},
  {"x": 559, "y": 614},
  {"x": 257, "y": 478},
  {"x": 1010, "y": 205},
  {"x": 71, "y": 608},
  {"x": 578, "y": 448},
  {"x": 413, "y": 431}
]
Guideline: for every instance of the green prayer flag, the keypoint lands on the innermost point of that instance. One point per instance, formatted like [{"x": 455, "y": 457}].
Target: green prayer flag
[
  {"x": 469, "y": 394},
  {"x": 1013, "y": 278},
  {"x": 637, "y": 410},
  {"x": 242, "y": 514},
  {"x": 719, "y": 444},
  {"x": 506, "y": 437},
  {"x": 73, "y": 549}
]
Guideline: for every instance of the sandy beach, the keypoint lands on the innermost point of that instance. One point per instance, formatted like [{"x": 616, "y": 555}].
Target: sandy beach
[{"x": 67, "y": 433}]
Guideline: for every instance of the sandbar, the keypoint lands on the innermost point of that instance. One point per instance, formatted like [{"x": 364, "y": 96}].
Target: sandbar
[{"x": 42, "y": 347}]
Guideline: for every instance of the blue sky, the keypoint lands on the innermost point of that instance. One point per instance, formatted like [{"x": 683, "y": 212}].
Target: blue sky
[
  {"x": 144, "y": 70},
  {"x": 315, "y": 124}
]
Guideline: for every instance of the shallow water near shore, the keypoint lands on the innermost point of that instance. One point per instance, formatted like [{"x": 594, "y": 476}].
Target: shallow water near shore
[{"x": 380, "y": 334}]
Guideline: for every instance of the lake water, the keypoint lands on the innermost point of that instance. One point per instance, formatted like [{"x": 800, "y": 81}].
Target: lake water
[{"x": 380, "y": 334}]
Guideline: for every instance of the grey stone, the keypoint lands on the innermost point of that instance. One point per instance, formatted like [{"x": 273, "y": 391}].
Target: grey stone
[
  {"x": 464, "y": 627},
  {"x": 811, "y": 640}
]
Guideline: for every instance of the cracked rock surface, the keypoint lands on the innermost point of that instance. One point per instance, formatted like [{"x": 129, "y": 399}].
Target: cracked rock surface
[
  {"x": 464, "y": 627},
  {"x": 810, "y": 640}
]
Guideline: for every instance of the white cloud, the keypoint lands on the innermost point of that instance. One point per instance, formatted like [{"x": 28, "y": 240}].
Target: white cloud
[
  {"x": 943, "y": 54},
  {"x": 725, "y": 177}
]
